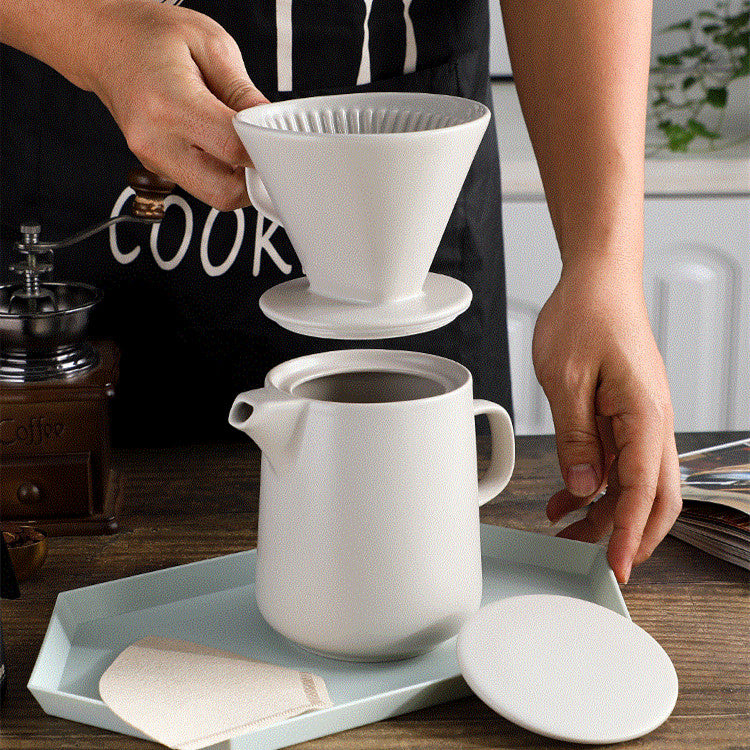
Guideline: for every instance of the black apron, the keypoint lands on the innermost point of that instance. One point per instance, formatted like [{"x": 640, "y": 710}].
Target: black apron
[{"x": 182, "y": 302}]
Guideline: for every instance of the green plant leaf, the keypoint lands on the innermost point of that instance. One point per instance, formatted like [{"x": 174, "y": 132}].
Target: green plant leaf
[
  {"x": 732, "y": 39},
  {"x": 695, "y": 51},
  {"x": 678, "y": 137},
  {"x": 739, "y": 21},
  {"x": 717, "y": 97},
  {"x": 700, "y": 129},
  {"x": 723, "y": 56},
  {"x": 675, "y": 59},
  {"x": 680, "y": 26}
]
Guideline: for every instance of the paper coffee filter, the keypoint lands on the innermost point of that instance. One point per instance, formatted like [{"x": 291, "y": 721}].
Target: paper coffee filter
[{"x": 189, "y": 696}]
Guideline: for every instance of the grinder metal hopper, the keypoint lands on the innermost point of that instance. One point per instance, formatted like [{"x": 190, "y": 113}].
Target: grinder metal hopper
[{"x": 43, "y": 324}]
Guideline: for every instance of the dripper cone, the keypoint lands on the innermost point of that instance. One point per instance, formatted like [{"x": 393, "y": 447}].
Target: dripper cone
[{"x": 364, "y": 184}]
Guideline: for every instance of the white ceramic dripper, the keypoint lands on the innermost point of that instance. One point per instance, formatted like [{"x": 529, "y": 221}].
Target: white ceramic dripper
[{"x": 363, "y": 184}]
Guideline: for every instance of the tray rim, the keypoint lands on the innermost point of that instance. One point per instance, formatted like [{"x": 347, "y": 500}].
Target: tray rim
[{"x": 501, "y": 543}]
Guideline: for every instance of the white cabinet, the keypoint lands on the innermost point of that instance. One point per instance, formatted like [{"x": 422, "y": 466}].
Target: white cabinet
[
  {"x": 697, "y": 287},
  {"x": 532, "y": 267}
]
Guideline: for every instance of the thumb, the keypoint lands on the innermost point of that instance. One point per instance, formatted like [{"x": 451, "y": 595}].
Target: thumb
[
  {"x": 240, "y": 94},
  {"x": 227, "y": 89},
  {"x": 579, "y": 447}
]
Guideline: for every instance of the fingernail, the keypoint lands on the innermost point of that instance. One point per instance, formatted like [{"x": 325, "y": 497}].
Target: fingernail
[
  {"x": 626, "y": 574},
  {"x": 582, "y": 480}
]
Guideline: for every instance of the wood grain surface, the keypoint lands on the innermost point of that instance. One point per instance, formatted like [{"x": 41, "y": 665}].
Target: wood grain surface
[{"x": 195, "y": 502}]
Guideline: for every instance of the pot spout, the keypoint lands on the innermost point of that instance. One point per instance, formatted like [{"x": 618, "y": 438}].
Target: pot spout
[{"x": 272, "y": 419}]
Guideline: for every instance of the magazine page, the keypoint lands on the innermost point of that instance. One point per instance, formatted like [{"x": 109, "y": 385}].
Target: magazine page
[
  {"x": 727, "y": 521},
  {"x": 719, "y": 474},
  {"x": 717, "y": 548}
]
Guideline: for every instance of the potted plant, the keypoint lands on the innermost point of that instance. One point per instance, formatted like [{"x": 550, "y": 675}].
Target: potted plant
[{"x": 698, "y": 92}]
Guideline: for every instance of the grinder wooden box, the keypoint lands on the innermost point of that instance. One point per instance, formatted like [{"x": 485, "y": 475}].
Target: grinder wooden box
[{"x": 55, "y": 455}]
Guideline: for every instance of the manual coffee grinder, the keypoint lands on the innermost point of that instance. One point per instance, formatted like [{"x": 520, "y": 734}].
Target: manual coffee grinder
[{"x": 55, "y": 385}]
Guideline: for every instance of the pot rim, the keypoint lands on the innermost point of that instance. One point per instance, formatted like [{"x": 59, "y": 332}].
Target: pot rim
[{"x": 289, "y": 375}]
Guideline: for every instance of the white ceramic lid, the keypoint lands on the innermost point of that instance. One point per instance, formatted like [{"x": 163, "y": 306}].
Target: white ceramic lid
[
  {"x": 292, "y": 305},
  {"x": 567, "y": 668}
]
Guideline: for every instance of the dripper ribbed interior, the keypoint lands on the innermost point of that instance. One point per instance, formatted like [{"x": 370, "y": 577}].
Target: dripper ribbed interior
[
  {"x": 364, "y": 113},
  {"x": 356, "y": 120}
]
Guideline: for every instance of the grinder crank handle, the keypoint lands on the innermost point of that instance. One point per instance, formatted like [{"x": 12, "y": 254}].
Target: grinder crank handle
[
  {"x": 151, "y": 191},
  {"x": 503, "y": 455}
]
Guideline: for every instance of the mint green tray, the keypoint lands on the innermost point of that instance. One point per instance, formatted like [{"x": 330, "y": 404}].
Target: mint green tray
[{"x": 212, "y": 602}]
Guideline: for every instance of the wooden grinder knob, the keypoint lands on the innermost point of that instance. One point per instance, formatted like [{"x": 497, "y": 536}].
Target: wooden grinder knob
[{"x": 150, "y": 192}]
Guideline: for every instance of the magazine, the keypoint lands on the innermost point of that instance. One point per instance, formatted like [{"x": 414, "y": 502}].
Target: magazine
[{"x": 716, "y": 501}]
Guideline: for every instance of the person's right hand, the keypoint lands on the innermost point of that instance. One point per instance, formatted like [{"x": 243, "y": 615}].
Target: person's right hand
[{"x": 172, "y": 79}]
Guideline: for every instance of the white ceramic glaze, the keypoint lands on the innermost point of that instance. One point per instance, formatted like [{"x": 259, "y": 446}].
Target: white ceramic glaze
[
  {"x": 567, "y": 668},
  {"x": 364, "y": 184},
  {"x": 292, "y": 305},
  {"x": 368, "y": 529}
]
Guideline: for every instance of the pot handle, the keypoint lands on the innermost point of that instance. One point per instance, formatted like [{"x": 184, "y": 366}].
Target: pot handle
[
  {"x": 503, "y": 454},
  {"x": 259, "y": 197}
]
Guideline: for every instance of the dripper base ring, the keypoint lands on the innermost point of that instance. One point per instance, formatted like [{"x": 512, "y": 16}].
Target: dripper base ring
[{"x": 292, "y": 305}]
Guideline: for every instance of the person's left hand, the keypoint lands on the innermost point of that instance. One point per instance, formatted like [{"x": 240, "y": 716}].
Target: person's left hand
[{"x": 597, "y": 361}]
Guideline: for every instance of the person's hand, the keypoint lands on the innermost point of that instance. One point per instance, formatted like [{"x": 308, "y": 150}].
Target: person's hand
[
  {"x": 597, "y": 361},
  {"x": 172, "y": 78}
]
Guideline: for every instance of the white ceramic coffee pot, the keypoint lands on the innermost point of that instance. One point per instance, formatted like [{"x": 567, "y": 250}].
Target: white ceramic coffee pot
[{"x": 368, "y": 529}]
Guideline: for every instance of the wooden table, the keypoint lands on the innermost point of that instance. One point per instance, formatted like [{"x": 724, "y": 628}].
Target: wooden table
[{"x": 200, "y": 501}]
